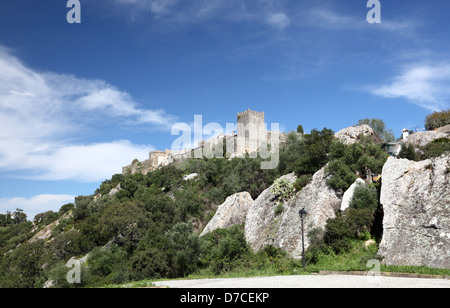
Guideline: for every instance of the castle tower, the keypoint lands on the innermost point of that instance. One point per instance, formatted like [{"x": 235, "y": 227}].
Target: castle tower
[{"x": 251, "y": 128}]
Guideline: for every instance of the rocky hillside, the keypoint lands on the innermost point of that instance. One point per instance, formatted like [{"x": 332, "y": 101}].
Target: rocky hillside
[{"x": 218, "y": 215}]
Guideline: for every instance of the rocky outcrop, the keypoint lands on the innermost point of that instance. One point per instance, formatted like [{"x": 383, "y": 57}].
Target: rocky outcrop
[
  {"x": 420, "y": 139},
  {"x": 233, "y": 211},
  {"x": 348, "y": 195},
  {"x": 416, "y": 202},
  {"x": 115, "y": 190},
  {"x": 444, "y": 129},
  {"x": 263, "y": 228},
  {"x": 46, "y": 232},
  {"x": 190, "y": 177},
  {"x": 352, "y": 134}
]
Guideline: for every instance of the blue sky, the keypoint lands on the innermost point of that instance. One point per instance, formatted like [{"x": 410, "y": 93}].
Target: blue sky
[{"x": 79, "y": 101}]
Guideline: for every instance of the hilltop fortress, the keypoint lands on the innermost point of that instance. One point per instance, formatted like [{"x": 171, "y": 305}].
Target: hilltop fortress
[{"x": 249, "y": 136}]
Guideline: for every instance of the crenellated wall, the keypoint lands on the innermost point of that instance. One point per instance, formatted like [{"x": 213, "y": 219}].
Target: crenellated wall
[{"x": 251, "y": 133}]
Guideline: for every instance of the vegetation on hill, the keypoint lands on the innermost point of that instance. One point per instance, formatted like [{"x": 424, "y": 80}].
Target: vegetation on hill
[{"x": 149, "y": 228}]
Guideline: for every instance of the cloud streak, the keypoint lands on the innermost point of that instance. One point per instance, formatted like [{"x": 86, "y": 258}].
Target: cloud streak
[
  {"x": 425, "y": 85},
  {"x": 41, "y": 113},
  {"x": 177, "y": 12}
]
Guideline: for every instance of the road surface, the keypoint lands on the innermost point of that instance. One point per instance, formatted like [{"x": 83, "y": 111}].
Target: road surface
[{"x": 309, "y": 281}]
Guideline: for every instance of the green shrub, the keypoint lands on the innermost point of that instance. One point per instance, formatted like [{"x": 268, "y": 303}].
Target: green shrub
[
  {"x": 279, "y": 209},
  {"x": 437, "y": 119},
  {"x": 436, "y": 148},
  {"x": 317, "y": 245},
  {"x": 183, "y": 249},
  {"x": 365, "y": 197},
  {"x": 363, "y": 158},
  {"x": 282, "y": 190},
  {"x": 302, "y": 181},
  {"x": 338, "y": 234},
  {"x": 108, "y": 266},
  {"x": 223, "y": 247},
  {"x": 409, "y": 152}
]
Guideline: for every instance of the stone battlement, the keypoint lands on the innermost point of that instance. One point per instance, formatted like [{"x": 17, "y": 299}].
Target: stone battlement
[{"x": 251, "y": 133}]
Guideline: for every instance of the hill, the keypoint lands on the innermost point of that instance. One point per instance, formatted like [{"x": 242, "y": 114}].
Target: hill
[{"x": 147, "y": 226}]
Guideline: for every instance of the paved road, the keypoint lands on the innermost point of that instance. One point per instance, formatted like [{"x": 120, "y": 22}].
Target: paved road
[{"x": 309, "y": 281}]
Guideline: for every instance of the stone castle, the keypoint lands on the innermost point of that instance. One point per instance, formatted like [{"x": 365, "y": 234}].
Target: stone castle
[{"x": 249, "y": 135}]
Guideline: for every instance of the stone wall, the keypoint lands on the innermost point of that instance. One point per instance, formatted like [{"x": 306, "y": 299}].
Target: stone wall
[{"x": 251, "y": 134}]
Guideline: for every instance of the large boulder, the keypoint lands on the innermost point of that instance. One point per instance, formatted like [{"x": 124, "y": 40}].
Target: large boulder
[
  {"x": 416, "y": 202},
  {"x": 232, "y": 212},
  {"x": 263, "y": 227},
  {"x": 261, "y": 224},
  {"x": 352, "y": 134},
  {"x": 348, "y": 195}
]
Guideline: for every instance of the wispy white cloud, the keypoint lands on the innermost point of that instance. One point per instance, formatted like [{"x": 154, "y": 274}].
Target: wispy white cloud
[
  {"x": 278, "y": 20},
  {"x": 35, "y": 204},
  {"x": 182, "y": 12},
  {"x": 42, "y": 113},
  {"x": 320, "y": 17},
  {"x": 426, "y": 85}
]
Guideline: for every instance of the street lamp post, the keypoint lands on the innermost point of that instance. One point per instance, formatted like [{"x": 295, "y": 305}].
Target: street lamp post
[{"x": 303, "y": 214}]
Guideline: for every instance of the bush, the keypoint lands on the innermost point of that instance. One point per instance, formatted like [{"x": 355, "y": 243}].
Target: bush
[
  {"x": 184, "y": 249},
  {"x": 66, "y": 208},
  {"x": 338, "y": 233},
  {"x": 437, "y": 119},
  {"x": 58, "y": 274},
  {"x": 365, "y": 197},
  {"x": 302, "y": 181},
  {"x": 282, "y": 190},
  {"x": 45, "y": 218},
  {"x": 409, "y": 152},
  {"x": 436, "y": 148},
  {"x": 108, "y": 266},
  {"x": 316, "y": 246},
  {"x": 222, "y": 247},
  {"x": 363, "y": 158}
]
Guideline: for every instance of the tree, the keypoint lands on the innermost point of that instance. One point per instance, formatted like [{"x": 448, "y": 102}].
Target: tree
[
  {"x": 45, "y": 218},
  {"x": 300, "y": 129},
  {"x": 184, "y": 249},
  {"x": 19, "y": 216},
  {"x": 315, "y": 151},
  {"x": 358, "y": 159},
  {"x": 378, "y": 127},
  {"x": 125, "y": 223},
  {"x": 365, "y": 197},
  {"x": 437, "y": 119},
  {"x": 22, "y": 268}
]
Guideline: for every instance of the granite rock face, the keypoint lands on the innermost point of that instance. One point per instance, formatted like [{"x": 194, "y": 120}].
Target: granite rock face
[
  {"x": 348, "y": 195},
  {"x": 420, "y": 139},
  {"x": 263, "y": 228},
  {"x": 416, "y": 202},
  {"x": 233, "y": 211},
  {"x": 352, "y": 134}
]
